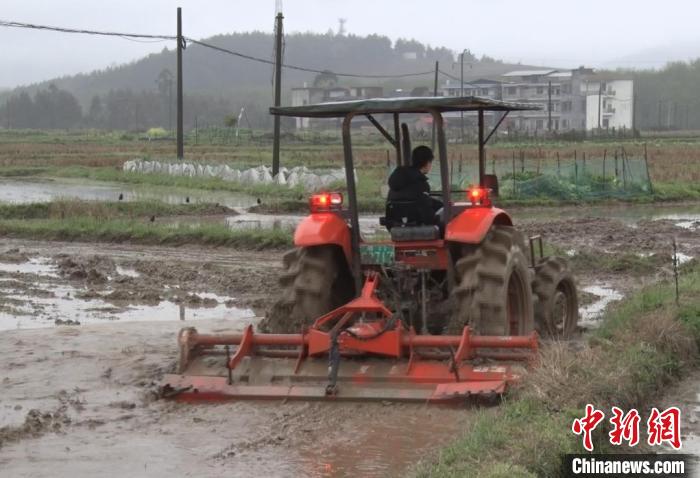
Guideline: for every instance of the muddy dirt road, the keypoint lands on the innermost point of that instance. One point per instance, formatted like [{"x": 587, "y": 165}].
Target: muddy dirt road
[{"x": 77, "y": 400}]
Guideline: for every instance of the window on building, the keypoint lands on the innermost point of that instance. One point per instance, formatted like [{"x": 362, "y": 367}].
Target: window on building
[
  {"x": 606, "y": 123},
  {"x": 564, "y": 124},
  {"x": 484, "y": 92},
  {"x": 566, "y": 106},
  {"x": 512, "y": 90},
  {"x": 566, "y": 89},
  {"x": 539, "y": 124},
  {"x": 540, "y": 90}
]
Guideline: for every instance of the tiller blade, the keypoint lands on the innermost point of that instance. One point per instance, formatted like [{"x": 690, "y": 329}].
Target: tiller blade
[{"x": 356, "y": 352}]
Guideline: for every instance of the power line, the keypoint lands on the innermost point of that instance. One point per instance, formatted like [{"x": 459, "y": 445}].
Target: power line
[
  {"x": 301, "y": 68},
  {"x": 449, "y": 76},
  {"x": 4, "y": 23},
  {"x": 132, "y": 36}
]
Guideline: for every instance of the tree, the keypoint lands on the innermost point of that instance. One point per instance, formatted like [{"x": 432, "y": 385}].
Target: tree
[
  {"x": 230, "y": 121},
  {"x": 165, "y": 88},
  {"x": 96, "y": 113},
  {"x": 325, "y": 79}
]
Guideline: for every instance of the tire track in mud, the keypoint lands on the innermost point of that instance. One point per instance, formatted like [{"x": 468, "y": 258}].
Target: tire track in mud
[{"x": 110, "y": 421}]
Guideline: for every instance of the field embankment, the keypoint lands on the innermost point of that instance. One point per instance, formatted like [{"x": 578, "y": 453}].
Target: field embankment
[
  {"x": 143, "y": 222},
  {"x": 646, "y": 343}
]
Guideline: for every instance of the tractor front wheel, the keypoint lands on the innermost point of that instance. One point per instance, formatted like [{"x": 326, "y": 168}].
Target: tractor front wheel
[
  {"x": 493, "y": 293},
  {"x": 556, "y": 304}
]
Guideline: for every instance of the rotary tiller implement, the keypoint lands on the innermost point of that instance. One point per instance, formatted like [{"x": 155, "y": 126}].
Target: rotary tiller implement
[{"x": 356, "y": 352}]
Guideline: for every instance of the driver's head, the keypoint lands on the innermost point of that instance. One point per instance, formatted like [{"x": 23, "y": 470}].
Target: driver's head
[{"x": 422, "y": 158}]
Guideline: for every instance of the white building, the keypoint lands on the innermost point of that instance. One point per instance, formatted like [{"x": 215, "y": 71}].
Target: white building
[
  {"x": 568, "y": 99},
  {"x": 609, "y": 103}
]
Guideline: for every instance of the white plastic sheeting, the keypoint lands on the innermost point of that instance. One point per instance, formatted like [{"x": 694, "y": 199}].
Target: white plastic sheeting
[{"x": 294, "y": 177}]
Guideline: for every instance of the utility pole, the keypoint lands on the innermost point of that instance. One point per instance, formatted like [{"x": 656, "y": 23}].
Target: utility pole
[
  {"x": 435, "y": 88},
  {"x": 600, "y": 100},
  {"x": 170, "y": 107},
  {"x": 461, "y": 93},
  {"x": 634, "y": 110},
  {"x": 549, "y": 106},
  {"x": 180, "y": 46},
  {"x": 278, "y": 95},
  {"x": 672, "y": 121}
]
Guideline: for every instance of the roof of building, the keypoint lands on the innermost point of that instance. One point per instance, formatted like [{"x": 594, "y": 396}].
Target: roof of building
[
  {"x": 423, "y": 104},
  {"x": 474, "y": 83},
  {"x": 529, "y": 72},
  {"x": 561, "y": 74}
]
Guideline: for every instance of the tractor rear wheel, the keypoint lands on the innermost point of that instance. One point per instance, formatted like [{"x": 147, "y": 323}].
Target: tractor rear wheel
[
  {"x": 493, "y": 294},
  {"x": 556, "y": 302},
  {"x": 315, "y": 281}
]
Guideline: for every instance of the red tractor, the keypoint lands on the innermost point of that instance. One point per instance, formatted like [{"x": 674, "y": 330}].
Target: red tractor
[{"x": 438, "y": 312}]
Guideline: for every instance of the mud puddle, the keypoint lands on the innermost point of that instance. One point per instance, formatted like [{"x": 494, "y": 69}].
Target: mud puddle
[
  {"x": 44, "y": 292},
  {"x": 591, "y": 313},
  {"x": 36, "y": 190}
]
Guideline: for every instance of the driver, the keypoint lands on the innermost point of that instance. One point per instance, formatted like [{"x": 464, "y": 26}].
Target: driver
[{"x": 410, "y": 183}]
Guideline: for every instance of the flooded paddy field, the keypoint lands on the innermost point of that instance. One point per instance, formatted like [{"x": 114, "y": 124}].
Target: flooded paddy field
[
  {"x": 89, "y": 328},
  {"x": 30, "y": 190}
]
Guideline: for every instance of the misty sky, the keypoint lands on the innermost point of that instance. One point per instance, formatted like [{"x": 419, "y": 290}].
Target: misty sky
[{"x": 601, "y": 33}]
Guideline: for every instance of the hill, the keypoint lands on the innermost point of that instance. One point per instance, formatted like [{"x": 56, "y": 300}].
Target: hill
[{"x": 217, "y": 83}]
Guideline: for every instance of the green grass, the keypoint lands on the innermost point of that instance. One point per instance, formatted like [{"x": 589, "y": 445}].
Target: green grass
[
  {"x": 370, "y": 181},
  {"x": 645, "y": 343},
  {"x": 19, "y": 171},
  {"x": 61, "y": 209},
  {"x": 90, "y": 229},
  {"x": 116, "y": 175}
]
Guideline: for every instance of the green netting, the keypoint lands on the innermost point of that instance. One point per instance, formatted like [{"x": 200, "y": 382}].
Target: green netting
[{"x": 563, "y": 179}]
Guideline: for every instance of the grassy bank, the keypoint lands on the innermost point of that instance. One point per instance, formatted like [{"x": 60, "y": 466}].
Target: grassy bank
[
  {"x": 645, "y": 343},
  {"x": 61, "y": 209},
  {"x": 90, "y": 229}
]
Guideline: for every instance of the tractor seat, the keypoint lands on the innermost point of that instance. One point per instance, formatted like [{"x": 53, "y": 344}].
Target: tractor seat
[{"x": 408, "y": 221}]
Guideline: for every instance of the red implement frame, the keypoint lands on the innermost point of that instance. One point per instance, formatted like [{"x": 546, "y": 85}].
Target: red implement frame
[{"x": 357, "y": 351}]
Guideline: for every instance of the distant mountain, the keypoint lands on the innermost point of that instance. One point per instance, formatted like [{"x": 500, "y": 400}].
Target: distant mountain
[
  {"x": 656, "y": 57},
  {"x": 242, "y": 82}
]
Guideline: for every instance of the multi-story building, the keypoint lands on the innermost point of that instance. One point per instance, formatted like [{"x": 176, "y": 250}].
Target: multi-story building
[
  {"x": 578, "y": 99},
  {"x": 317, "y": 94},
  {"x": 569, "y": 99},
  {"x": 609, "y": 103}
]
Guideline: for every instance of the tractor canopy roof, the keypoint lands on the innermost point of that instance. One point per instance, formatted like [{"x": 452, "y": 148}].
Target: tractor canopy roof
[{"x": 419, "y": 104}]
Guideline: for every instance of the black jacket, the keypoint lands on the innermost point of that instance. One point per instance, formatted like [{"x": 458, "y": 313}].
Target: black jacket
[{"x": 407, "y": 183}]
